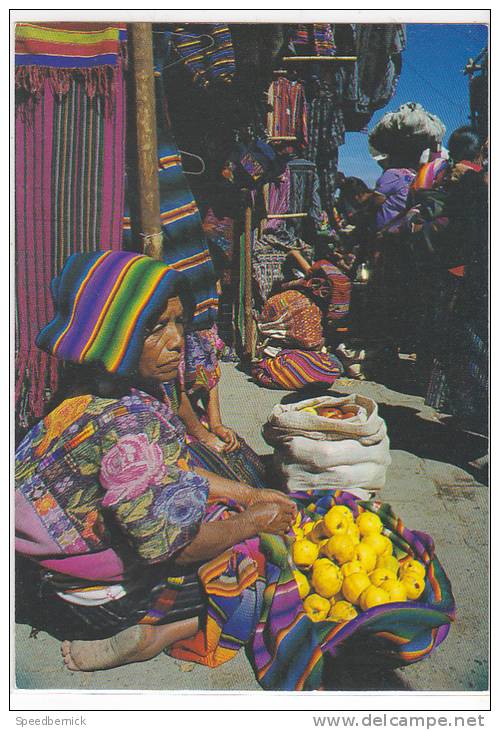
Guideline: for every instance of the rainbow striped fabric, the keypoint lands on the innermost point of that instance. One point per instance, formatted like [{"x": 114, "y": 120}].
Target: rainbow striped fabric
[
  {"x": 185, "y": 247},
  {"x": 294, "y": 369},
  {"x": 57, "y": 51},
  {"x": 253, "y": 601},
  {"x": 67, "y": 45},
  {"x": 104, "y": 302},
  {"x": 207, "y": 52}
]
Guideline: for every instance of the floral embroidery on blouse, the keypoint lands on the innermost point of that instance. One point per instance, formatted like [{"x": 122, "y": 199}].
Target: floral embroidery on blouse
[{"x": 121, "y": 461}]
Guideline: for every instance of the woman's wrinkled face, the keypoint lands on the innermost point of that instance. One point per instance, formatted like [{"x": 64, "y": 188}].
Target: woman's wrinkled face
[{"x": 162, "y": 347}]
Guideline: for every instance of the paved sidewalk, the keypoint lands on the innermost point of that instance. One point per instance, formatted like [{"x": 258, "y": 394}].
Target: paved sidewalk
[{"x": 428, "y": 485}]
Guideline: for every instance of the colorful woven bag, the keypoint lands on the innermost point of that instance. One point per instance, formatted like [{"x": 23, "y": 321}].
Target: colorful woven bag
[{"x": 295, "y": 369}]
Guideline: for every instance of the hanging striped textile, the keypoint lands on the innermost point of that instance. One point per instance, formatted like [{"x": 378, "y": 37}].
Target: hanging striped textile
[
  {"x": 208, "y": 57},
  {"x": 69, "y": 197},
  {"x": 315, "y": 39},
  {"x": 56, "y": 51},
  {"x": 185, "y": 247},
  {"x": 288, "y": 117}
]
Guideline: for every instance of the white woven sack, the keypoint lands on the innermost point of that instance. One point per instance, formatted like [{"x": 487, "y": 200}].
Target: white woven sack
[
  {"x": 368, "y": 476},
  {"x": 365, "y": 426}
]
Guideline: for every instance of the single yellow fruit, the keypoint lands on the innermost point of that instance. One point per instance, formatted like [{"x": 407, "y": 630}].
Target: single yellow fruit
[
  {"x": 316, "y": 607},
  {"x": 380, "y": 543},
  {"x": 414, "y": 586},
  {"x": 309, "y": 409},
  {"x": 321, "y": 562},
  {"x": 318, "y": 533},
  {"x": 368, "y": 522},
  {"x": 353, "y": 532},
  {"x": 380, "y": 576},
  {"x": 354, "y": 585},
  {"x": 353, "y": 566},
  {"x": 307, "y": 527},
  {"x": 389, "y": 562},
  {"x": 396, "y": 590},
  {"x": 341, "y": 511},
  {"x": 373, "y": 596},
  {"x": 342, "y": 611},
  {"x": 412, "y": 566},
  {"x": 302, "y": 583},
  {"x": 304, "y": 553},
  {"x": 327, "y": 580},
  {"x": 366, "y": 556},
  {"x": 336, "y": 523},
  {"x": 340, "y": 548}
]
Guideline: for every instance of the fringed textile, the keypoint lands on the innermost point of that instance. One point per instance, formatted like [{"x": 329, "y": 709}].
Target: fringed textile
[
  {"x": 69, "y": 197},
  {"x": 63, "y": 52}
]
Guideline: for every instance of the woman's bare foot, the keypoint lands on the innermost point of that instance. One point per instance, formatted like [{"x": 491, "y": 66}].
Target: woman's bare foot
[{"x": 136, "y": 644}]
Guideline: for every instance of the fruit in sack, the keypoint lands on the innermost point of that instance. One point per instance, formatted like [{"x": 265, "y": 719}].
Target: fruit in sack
[
  {"x": 380, "y": 576},
  {"x": 309, "y": 409},
  {"x": 373, "y": 596},
  {"x": 302, "y": 583},
  {"x": 368, "y": 522},
  {"x": 353, "y": 566},
  {"x": 342, "y": 611},
  {"x": 366, "y": 556},
  {"x": 414, "y": 586},
  {"x": 396, "y": 590},
  {"x": 326, "y": 579},
  {"x": 316, "y": 607},
  {"x": 329, "y": 412},
  {"x": 380, "y": 543},
  {"x": 354, "y": 585},
  {"x": 339, "y": 548},
  {"x": 412, "y": 567},
  {"x": 304, "y": 553},
  {"x": 389, "y": 562},
  {"x": 335, "y": 524}
]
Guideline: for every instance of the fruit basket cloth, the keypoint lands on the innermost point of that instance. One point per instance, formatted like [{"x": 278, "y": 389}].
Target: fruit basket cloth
[{"x": 253, "y": 602}]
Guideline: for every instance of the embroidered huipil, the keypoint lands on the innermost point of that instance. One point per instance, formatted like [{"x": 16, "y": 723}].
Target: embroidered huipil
[{"x": 95, "y": 465}]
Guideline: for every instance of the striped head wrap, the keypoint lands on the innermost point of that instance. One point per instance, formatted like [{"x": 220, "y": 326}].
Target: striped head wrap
[{"x": 104, "y": 302}]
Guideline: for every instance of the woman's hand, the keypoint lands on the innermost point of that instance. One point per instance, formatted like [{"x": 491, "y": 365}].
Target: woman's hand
[
  {"x": 270, "y": 496},
  {"x": 228, "y": 436},
  {"x": 211, "y": 440},
  {"x": 274, "y": 517}
]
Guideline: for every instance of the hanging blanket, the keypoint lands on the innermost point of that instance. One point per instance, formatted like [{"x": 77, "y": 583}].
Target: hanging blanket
[
  {"x": 253, "y": 602},
  {"x": 70, "y": 148},
  {"x": 207, "y": 52},
  {"x": 185, "y": 246}
]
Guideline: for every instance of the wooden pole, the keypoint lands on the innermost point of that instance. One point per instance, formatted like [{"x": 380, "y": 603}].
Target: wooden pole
[
  {"x": 147, "y": 149},
  {"x": 247, "y": 298}
]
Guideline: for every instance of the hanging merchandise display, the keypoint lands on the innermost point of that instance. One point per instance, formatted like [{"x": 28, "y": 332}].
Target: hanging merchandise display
[
  {"x": 208, "y": 56},
  {"x": 185, "y": 246},
  {"x": 287, "y": 118},
  {"x": 315, "y": 39},
  {"x": 69, "y": 173}
]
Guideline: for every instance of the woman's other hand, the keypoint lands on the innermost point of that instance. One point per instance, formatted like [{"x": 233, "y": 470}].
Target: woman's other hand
[
  {"x": 211, "y": 440},
  {"x": 228, "y": 436},
  {"x": 274, "y": 517}
]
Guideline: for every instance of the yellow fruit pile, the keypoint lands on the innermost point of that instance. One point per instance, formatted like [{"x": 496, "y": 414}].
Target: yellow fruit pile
[{"x": 345, "y": 566}]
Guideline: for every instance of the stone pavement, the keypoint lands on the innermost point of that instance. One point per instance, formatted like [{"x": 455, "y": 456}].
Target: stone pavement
[{"x": 429, "y": 484}]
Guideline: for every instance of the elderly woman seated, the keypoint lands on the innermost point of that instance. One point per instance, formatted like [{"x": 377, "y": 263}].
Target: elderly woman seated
[{"x": 108, "y": 507}]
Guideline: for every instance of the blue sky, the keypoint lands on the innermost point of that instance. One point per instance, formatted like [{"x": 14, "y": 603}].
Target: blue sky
[{"x": 433, "y": 61}]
